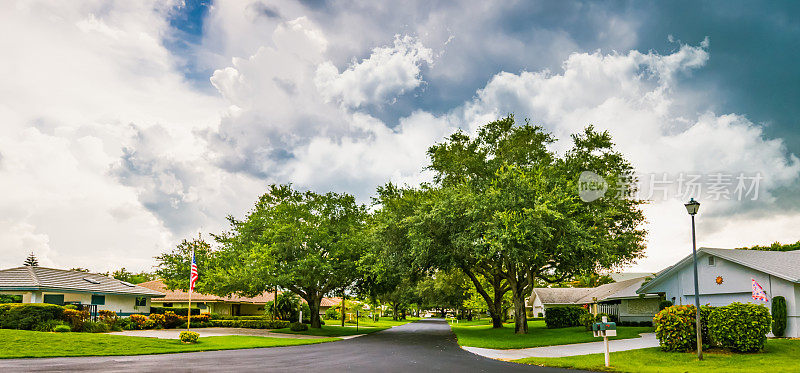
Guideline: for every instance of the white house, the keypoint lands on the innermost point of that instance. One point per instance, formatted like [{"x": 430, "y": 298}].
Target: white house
[
  {"x": 617, "y": 298},
  {"x": 58, "y": 286},
  {"x": 724, "y": 277}
]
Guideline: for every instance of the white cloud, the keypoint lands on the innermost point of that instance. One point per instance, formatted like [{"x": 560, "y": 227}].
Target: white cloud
[{"x": 387, "y": 73}]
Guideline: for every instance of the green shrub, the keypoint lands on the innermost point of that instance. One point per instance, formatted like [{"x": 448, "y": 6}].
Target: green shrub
[
  {"x": 76, "y": 318},
  {"x": 95, "y": 327},
  {"x": 48, "y": 326},
  {"x": 176, "y": 310},
  {"x": 251, "y": 324},
  {"x": 778, "y": 316},
  {"x": 675, "y": 328},
  {"x": 27, "y": 315},
  {"x": 565, "y": 316},
  {"x": 189, "y": 337},
  {"x": 587, "y": 319},
  {"x": 171, "y": 320},
  {"x": 332, "y": 313},
  {"x": 664, "y": 304},
  {"x": 298, "y": 327},
  {"x": 63, "y": 328},
  {"x": 740, "y": 327}
]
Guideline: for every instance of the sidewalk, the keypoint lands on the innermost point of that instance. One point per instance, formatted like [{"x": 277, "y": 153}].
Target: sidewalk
[{"x": 646, "y": 340}]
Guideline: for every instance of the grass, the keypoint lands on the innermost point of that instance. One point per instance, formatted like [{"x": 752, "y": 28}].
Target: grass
[
  {"x": 332, "y": 331},
  {"x": 24, "y": 343},
  {"x": 779, "y": 355},
  {"x": 538, "y": 335}
]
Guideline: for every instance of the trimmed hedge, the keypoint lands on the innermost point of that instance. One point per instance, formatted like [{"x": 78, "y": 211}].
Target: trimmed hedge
[
  {"x": 564, "y": 316},
  {"x": 778, "y": 316},
  {"x": 298, "y": 327},
  {"x": 251, "y": 324},
  {"x": 228, "y": 317},
  {"x": 27, "y": 316},
  {"x": 176, "y": 310},
  {"x": 740, "y": 327},
  {"x": 664, "y": 304}
]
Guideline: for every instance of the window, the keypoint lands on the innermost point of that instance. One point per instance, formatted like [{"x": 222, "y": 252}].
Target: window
[
  {"x": 98, "y": 299},
  {"x": 141, "y": 301},
  {"x": 166, "y": 305},
  {"x": 91, "y": 280},
  {"x": 711, "y": 261},
  {"x": 54, "y": 298}
]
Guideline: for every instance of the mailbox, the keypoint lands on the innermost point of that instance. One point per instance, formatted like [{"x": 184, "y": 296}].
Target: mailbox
[{"x": 604, "y": 329}]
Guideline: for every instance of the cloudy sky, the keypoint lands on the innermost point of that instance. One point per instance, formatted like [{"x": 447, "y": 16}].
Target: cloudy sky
[{"x": 126, "y": 126}]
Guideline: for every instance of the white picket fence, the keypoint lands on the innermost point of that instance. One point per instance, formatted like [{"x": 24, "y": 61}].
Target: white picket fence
[{"x": 609, "y": 309}]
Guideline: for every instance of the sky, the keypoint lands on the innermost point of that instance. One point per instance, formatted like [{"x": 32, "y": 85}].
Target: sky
[{"x": 126, "y": 127}]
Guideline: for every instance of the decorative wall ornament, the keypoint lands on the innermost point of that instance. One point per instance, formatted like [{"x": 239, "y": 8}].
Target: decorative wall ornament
[{"x": 719, "y": 280}]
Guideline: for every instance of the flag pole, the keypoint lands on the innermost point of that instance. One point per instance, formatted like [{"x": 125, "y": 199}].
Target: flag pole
[{"x": 189, "y": 311}]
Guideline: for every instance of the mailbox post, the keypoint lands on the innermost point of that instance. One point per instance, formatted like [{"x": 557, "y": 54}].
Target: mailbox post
[{"x": 605, "y": 329}]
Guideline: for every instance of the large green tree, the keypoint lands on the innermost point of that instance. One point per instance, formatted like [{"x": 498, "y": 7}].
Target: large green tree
[
  {"x": 311, "y": 244},
  {"x": 509, "y": 209}
]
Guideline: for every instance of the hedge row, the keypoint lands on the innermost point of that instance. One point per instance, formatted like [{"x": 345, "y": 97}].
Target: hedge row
[
  {"x": 564, "y": 316},
  {"x": 28, "y": 315},
  {"x": 738, "y": 327}
]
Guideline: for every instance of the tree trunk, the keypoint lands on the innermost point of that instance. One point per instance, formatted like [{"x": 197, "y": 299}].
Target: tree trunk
[
  {"x": 313, "y": 309},
  {"x": 520, "y": 318},
  {"x": 343, "y": 309},
  {"x": 493, "y": 306},
  {"x": 394, "y": 312}
]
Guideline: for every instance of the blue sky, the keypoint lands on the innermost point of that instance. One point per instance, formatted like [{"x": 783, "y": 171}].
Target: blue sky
[{"x": 129, "y": 126}]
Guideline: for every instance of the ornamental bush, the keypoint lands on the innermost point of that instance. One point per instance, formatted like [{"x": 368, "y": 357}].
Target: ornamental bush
[
  {"x": 95, "y": 327},
  {"x": 171, "y": 320},
  {"x": 740, "y": 327},
  {"x": 139, "y": 321},
  {"x": 27, "y": 315},
  {"x": 157, "y": 319},
  {"x": 778, "y": 316},
  {"x": 48, "y": 326},
  {"x": 62, "y": 329},
  {"x": 675, "y": 328},
  {"x": 189, "y": 337},
  {"x": 298, "y": 327},
  {"x": 563, "y": 317},
  {"x": 76, "y": 318}
]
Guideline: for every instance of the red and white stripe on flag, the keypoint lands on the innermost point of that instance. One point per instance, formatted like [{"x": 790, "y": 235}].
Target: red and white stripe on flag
[
  {"x": 194, "y": 275},
  {"x": 758, "y": 292}
]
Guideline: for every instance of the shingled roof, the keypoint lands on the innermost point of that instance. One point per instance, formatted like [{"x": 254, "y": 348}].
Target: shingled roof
[
  {"x": 178, "y": 296},
  {"x": 614, "y": 290},
  {"x": 782, "y": 264},
  {"x": 51, "y": 279}
]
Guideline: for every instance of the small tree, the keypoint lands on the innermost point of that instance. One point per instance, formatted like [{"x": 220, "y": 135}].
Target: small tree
[
  {"x": 31, "y": 261},
  {"x": 778, "y": 316}
]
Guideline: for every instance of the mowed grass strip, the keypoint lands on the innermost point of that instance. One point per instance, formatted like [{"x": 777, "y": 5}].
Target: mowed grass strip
[
  {"x": 538, "y": 335},
  {"x": 332, "y": 331},
  {"x": 779, "y": 356},
  {"x": 25, "y": 344}
]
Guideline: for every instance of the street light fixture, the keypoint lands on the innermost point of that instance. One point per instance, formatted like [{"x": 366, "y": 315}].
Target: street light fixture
[{"x": 691, "y": 207}]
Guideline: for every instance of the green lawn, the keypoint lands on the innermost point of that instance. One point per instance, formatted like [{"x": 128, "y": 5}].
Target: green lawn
[
  {"x": 780, "y": 355},
  {"x": 24, "y": 343},
  {"x": 538, "y": 335},
  {"x": 332, "y": 331}
]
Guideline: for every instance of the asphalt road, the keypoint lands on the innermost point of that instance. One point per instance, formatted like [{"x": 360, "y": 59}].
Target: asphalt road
[{"x": 423, "y": 346}]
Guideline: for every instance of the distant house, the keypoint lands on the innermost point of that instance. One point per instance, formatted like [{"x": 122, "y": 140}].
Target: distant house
[
  {"x": 617, "y": 298},
  {"x": 231, "y": 305},
  {"x": 724, "y": 276},
  {"x": 58, "y": 286}
]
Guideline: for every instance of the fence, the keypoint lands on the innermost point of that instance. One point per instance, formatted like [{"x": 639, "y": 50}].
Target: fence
[{"x": 609, "y": 309}]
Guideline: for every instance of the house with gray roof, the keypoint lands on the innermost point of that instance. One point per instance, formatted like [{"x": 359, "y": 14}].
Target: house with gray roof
[
  {"x": 724, "y": 276},
  {"x": 58, "y": 286},
  {"x": 617, "y": 298}
]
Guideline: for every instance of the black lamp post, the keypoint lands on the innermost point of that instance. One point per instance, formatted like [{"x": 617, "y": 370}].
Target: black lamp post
[{"x": 691, "y": 207}]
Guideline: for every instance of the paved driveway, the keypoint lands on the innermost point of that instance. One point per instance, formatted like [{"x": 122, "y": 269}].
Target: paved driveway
[{"x": 423, "y": 346}]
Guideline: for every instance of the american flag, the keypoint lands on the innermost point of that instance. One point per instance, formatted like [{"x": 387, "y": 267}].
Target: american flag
[
  {"x": 193, "y": 276},
  {"x": 758, "y": 292}
]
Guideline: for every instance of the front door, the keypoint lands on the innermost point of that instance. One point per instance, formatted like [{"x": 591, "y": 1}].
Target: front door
[{"x": 236, "y": 309}]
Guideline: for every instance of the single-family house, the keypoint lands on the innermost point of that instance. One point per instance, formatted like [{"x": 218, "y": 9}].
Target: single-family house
[
  {"x": 58, "y": 286},
  {"x": 725, "y": 276},
  {"x": 617, "y": 298},
  {"x": 233, "y": 305}
]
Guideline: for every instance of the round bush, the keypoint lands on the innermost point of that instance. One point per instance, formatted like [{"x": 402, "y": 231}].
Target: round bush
[
  {"x": 189, "y": 337},
  {"x": 740, "y": 327},
  {"x": 675, "y": 328},
  {"x": 298, "y": 327},
  {"x": 62, "y": 329}
]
